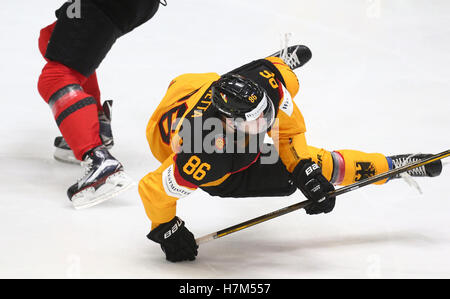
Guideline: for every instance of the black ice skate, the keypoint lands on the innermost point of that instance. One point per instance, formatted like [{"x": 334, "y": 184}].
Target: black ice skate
[
  {"x": 63, "y": 152},
  {"x": 104, "y": 178},
  {"x": 429, "y": 170},
  {"x": 294, "y": 56}
]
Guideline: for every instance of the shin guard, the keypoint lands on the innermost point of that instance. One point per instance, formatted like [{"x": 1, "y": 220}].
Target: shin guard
[
  {"x": 75, "y": 113},
  {"x": 353, "y": 166},
  {"x": 74, "y": 110},
  {"x": 345, "y": 167}
]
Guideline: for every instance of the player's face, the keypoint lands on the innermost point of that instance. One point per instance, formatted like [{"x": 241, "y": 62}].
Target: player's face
[{"x": 253, "y": 127}]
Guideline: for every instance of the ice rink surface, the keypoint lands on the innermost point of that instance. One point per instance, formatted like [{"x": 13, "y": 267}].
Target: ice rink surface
[{"x": 378, "y": 82}]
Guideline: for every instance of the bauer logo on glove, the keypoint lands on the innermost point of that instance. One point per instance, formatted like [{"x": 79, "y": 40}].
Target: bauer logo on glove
[
  {"x": 310, "y": 169},
  {"x": 174, "y": 229}
]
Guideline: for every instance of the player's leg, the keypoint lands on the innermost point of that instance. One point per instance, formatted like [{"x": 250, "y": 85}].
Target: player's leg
[
  {"x": 69, "y": 76},
  {"x": 91, "y": 85},
  {"x": 345, "y": 167},
  {"x": 74, "y": 110},
  {"x": 63, "y": 152},
  {"x": 76, "y": 115},
  {"x": 75, "y": 49}
]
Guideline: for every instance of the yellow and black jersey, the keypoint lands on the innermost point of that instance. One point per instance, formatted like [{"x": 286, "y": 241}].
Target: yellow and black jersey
[
  {"x": 186, "y": 107},
  {"x": 197, "y": 167}
]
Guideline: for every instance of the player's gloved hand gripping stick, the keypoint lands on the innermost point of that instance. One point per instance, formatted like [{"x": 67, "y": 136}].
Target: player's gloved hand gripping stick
[
  {"x": 331, "y": 194},
  {"x": 176, "y": 241},
  {"x": 309, "y": 179}
]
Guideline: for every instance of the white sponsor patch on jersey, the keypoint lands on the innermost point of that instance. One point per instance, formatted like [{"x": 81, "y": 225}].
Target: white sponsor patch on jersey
[
  {"x": 171, "y": 186},
  {"x": 287, "y": 106}
]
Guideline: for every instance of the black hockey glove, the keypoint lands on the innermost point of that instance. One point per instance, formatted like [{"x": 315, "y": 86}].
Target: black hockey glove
[
  {"x": 176, "y": 241},
  {"x": 309, "y": 179}
]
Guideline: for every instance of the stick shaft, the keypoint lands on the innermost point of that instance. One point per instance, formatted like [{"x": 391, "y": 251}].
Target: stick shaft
[{"x": 301, "y": 205}]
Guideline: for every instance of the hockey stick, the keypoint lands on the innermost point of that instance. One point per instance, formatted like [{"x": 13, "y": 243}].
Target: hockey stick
[{"x": 303, "y": 204}]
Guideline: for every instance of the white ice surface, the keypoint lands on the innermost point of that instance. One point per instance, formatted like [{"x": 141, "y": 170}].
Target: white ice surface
[{"x": 378, "y": 82}]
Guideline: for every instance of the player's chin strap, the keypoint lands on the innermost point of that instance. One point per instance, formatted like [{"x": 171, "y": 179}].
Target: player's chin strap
[
  {"x": 163, "y": 3},
  {"x": 340, "y": 191}
]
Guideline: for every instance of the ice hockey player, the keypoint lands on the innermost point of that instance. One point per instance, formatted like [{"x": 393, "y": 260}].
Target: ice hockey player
[
  {"x": 74, "y": 47},
  {"x": 204, "y": 131}
]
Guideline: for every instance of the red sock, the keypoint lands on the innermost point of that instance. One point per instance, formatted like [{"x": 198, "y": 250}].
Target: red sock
[{"x": 75, "y": 109}]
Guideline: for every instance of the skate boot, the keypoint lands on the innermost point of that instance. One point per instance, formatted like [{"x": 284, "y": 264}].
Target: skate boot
[
  {"x": 429, "y": 170},
  {"x": 104, "y": 178},
  {"x": 63, "y": 153},
  {"x": 294, "y": 56}
]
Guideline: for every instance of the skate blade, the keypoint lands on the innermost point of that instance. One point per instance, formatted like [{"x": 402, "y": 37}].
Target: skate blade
[
  {"x": 114, "y": 185},
  {"x": 65, "y": 156}
]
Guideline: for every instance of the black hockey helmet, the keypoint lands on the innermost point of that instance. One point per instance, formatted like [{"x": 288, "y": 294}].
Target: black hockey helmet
[{"x": 243, "y": 102}]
